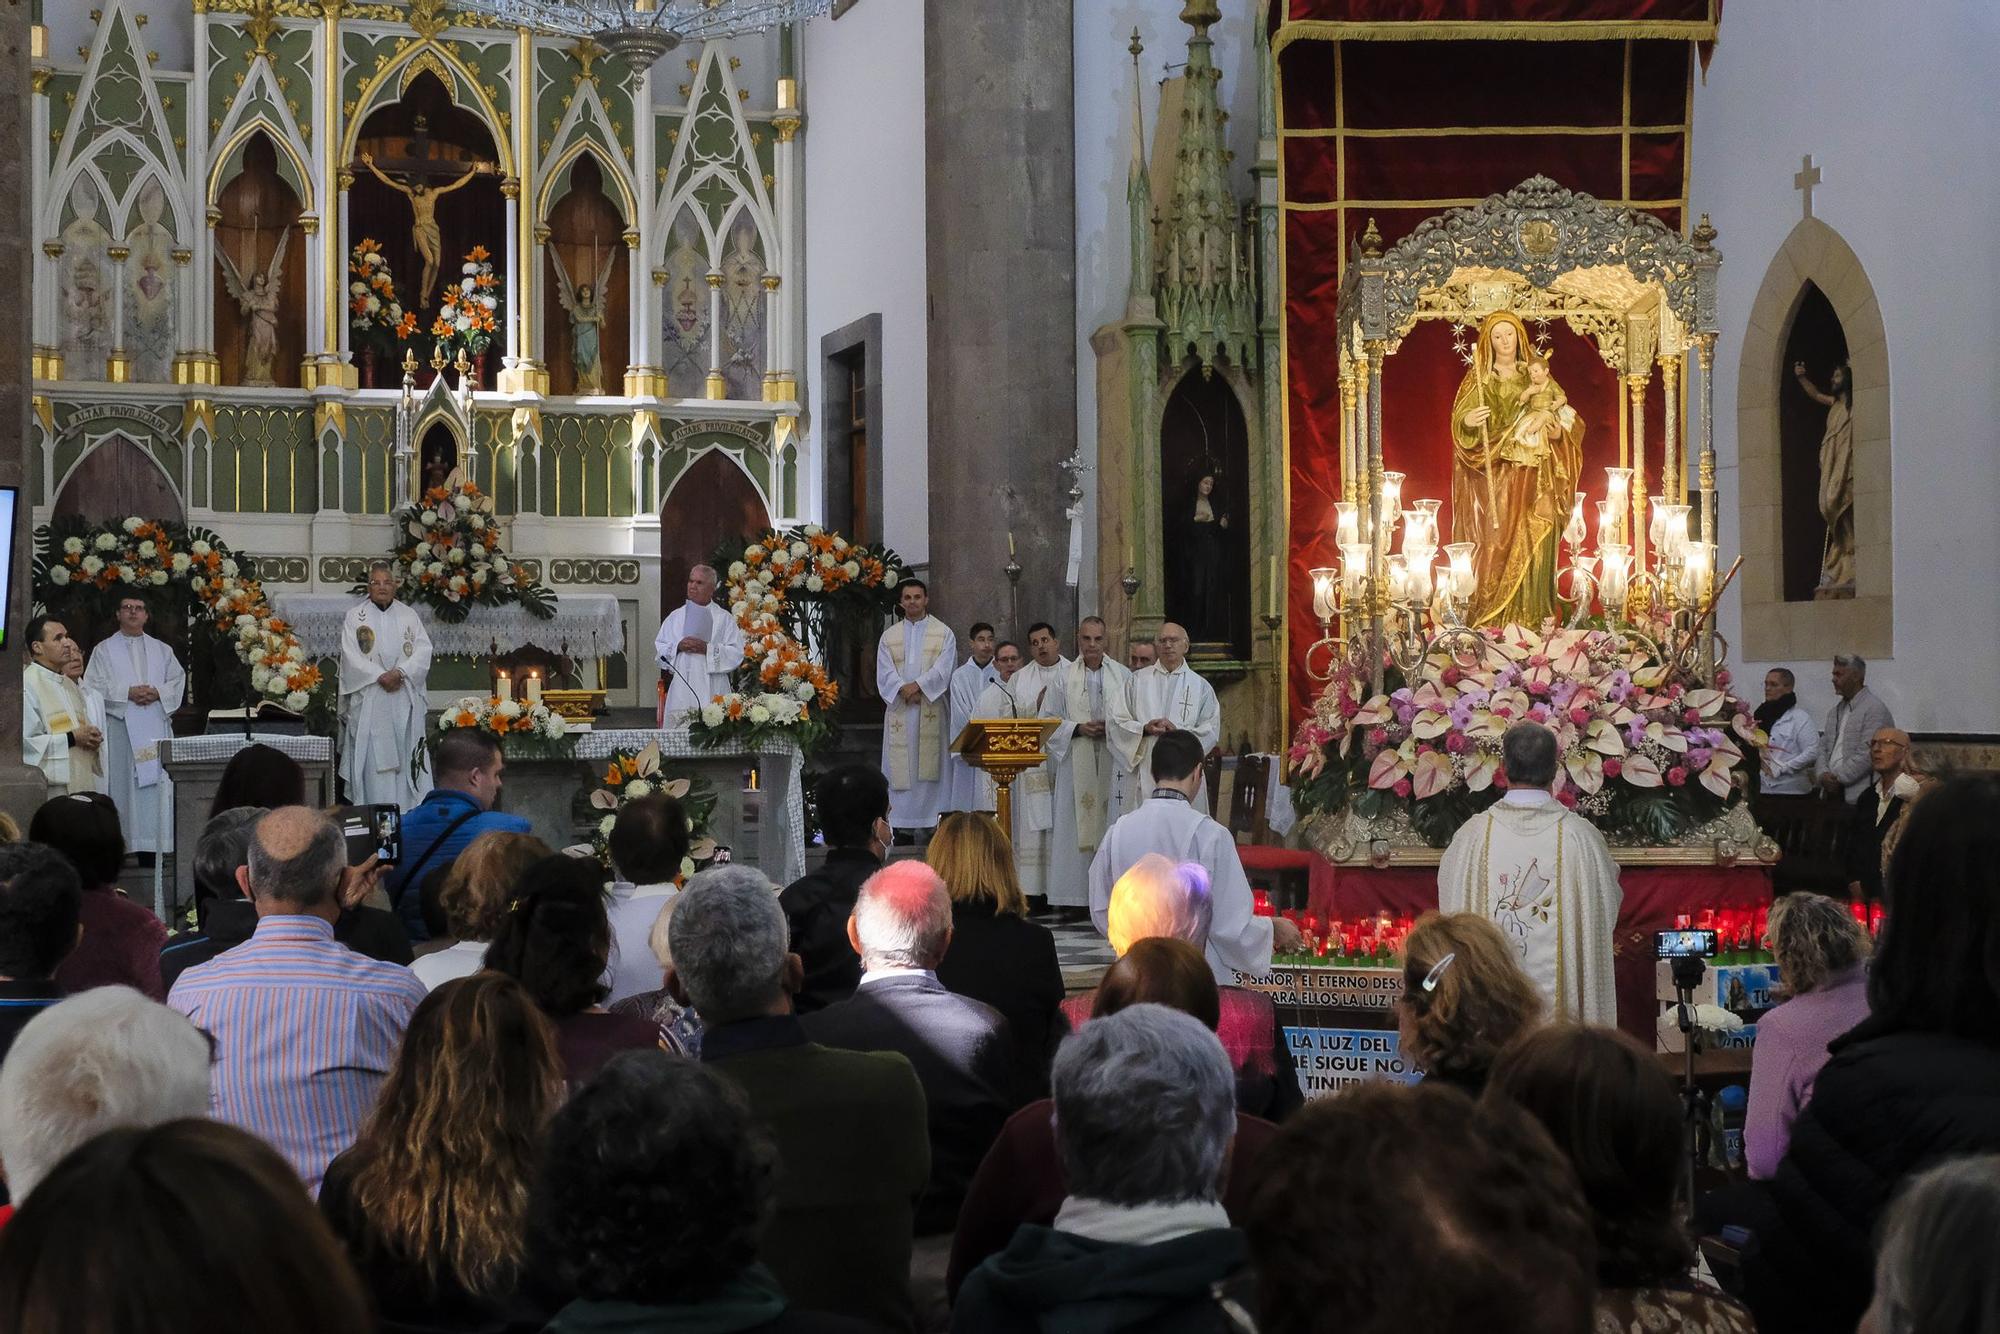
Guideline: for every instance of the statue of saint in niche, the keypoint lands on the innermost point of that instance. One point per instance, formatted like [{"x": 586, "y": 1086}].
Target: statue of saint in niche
[
  {"x": 1836, "y": 479},
  {"x": 424, "y": 229},
  {"x": 257, "y": 298},
  {"x": 1205, "y": 563},
  {"x": 438, "y": 463},
  {"x": 1518, "y": 448},
  {"x": 584, "y": 305}
]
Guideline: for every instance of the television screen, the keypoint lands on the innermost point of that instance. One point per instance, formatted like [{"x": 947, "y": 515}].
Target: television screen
[{"x": 8, "y": 496}]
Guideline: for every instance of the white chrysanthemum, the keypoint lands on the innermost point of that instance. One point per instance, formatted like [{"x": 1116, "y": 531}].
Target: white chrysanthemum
[
  {"x": 437, "y": 568},
  {"x": 759, "y": 714},
  {"x": 59, "y": 575},
  {"x": 159, "y": 577},
  {"x": 229, "y": 569},
  {"x": 799, "y": 550},
  {"x": 358, "y": 288},
  {"x": 297, "y": 700},
  {"x": 508, "y": 708},
  {"x": 737, "y": 569},
  {"x": 638, "y": 788},
  {"x": 181, "y": 562},
  {"x": 478, "y": 552},
  {"x": 428, "y": 518},
  {"x": 149, "y": 548},
  {"x": 814, "y": 583},
  {"x": 106, "y": 542},
  {"x": 423, "y": 551},
  {"x": 813, "y": 530},
  {"x": 477, "y": 521},
  {"x": 72, "y": 546},
  {"x": 295, "y": 653},
  {"x": 853, "y": 569},
  {"x": 131, "y": 525},
  {"x": 201, "y": 548},
  {"x": 259, "y": 677},
  {"x": 457, "y": 584},
  {"x": 604, "y": 825},
  {"x": 455, "y": 556},
  {"x": 712, "y": 714},
  {"x": 468, "y": 269},
  {"x": 804, "y": 690},
  {"x": 754, "y": 549},
  {"x": 374, "y": 305},
  {"x": 126, "y": 573},
  {"x": 554, "y": 726},
  {"x": 490, "y": 302},
  {"x": 91, "y": 565}
]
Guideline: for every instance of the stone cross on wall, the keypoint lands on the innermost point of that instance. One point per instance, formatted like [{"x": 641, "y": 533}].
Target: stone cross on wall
[{"x": 1805, "y": 180}]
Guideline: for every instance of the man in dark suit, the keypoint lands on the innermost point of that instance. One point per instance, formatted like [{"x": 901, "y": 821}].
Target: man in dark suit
[
  {"x": 853, "y": 803},
  {"x": 849, "y": 1126},
  {"x": 961, "y": 1048},
  {"x": 1878, "y": 812}
]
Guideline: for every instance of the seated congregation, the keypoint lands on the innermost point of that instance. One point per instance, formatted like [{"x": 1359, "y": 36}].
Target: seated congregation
[{"x": 511, "y": 1089}]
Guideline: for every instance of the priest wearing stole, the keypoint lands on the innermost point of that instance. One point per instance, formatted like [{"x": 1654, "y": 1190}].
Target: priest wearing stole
[
  {"x": 57, "y": 735},
  {"x": 1167, "y": 696},
  {"x": 1168, "y": 823},
  {"x": 1543, "y": 875},
  {"x": 996, "y": 701},
  {"x": 1083, "y": 783},
  {"x": 385, "y": 657},
  {"x": 972, "y": 677},
  {"x": 93, "y": 703},
  {"x": 700, "y": 643},
  {"x": 913, "y": 666},
  {"x": 1042, "y": 818},
  {"x": 142, "y": 684}
]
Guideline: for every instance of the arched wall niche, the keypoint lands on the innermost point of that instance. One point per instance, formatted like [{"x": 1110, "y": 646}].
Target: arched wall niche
[{"x": 1774, "y": 629}]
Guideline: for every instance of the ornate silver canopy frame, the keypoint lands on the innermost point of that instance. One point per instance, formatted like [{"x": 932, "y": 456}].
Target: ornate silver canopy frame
[{"x": 1641, "y": 291}]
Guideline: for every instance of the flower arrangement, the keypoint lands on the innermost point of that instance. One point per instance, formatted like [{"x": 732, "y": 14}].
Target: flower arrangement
[
  {"x": 374, "y": 313},
  {"x": 88, "y": 567},
  {"x": 503, "y": 718},
  {"x": 469, "y": 314},
  {"x": 451, "y": 557},
  {"x": 779, "y": 689},
  {"x": 629, "y": 775},
  {"x": 1639, "y": 753}
]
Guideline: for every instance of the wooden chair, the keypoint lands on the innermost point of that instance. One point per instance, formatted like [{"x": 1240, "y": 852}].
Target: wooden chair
[
  {"x": 1211, "y": 777},
  {"x": 1283, "y": 873},
  {"x": 1812, "y": 837}
]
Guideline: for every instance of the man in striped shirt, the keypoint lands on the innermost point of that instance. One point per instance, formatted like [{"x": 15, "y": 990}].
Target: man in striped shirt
[{"x": 304, "y": 1027}]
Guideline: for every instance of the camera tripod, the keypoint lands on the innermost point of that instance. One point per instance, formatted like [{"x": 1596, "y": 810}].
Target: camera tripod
[{"x": 1688, "y": 970}]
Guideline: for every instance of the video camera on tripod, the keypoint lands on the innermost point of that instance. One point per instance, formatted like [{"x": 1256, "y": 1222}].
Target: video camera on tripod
[{"x": 1687, "y": 953}]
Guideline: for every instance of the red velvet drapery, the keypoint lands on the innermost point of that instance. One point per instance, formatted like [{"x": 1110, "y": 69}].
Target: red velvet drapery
[{"x": 1397, "y": 110}]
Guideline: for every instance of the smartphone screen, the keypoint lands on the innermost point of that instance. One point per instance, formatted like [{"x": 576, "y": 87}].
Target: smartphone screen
[
  {"x": 1684, "y": 944},
  {"x": 372, "y": 831}
]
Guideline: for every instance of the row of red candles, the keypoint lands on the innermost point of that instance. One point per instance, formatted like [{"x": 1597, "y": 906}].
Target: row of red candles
[
  {"x": 1376, "y": 938},
  {"x": 1739, "y": 931}
]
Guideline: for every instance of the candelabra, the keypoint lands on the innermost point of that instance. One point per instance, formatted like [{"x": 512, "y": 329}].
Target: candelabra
[{"x": 1673, "y": 596}]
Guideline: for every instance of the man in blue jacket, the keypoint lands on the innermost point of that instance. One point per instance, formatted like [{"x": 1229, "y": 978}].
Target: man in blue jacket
[{"x": 468, "y": 767}]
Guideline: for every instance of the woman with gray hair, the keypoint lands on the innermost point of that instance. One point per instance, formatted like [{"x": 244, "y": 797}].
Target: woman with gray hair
[
  {"x": 1822, "y": 955},
  {"x": 1145, "y": 1112},
  {"x": 1924, "y": 1280}
]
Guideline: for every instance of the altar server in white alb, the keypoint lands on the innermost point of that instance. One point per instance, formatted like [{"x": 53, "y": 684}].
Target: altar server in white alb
[
  {"x": 385, "y": 658},
  {"x": 1543, "y": 875},
  {"x": 57, "y": 734},
  {"x": 1167, "y": 823},
  {"x": 699, "y": 644},
  {"x": 142, "y": 684},
  {"x": 1041, "y": 818},
  {"x": 1165, "y": 697},
  {"x": 1083, "y": 779},
  {"x": 913, "y": 666},
  {"x": 962, "y": 791}
]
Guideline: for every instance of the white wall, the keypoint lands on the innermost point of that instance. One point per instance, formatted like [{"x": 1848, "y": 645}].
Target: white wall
[
  {"x": 1103, "y": 65},
  {"x": 1895, "y": 104},
  {"x": 863, "y": 94}
]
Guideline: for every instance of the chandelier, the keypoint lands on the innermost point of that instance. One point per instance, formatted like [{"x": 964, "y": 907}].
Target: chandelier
[{"x": 641, "y": 31}]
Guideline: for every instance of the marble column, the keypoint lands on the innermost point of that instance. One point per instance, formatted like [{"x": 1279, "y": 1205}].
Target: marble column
[
  {"x": 21, "y": 788},
  {"x": 1000, "y": 242}
]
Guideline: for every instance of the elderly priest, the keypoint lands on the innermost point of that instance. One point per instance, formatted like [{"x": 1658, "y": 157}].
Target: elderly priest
[
  {"x": 699, "y": 645},
  {"x": 385, "y": 657},
  {"x": 913, "y": 665},
  {"x": 57, "y": 735},
  {"x": 1543, "y": 875}
]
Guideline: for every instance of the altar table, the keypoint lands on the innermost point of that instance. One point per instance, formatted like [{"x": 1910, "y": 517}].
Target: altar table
[
  {"x": 195, "y": 763},
  {"x": 545, "y": 791},
  {"x": 1654, "y": 896},
  {"x": 586, "y": 622}
]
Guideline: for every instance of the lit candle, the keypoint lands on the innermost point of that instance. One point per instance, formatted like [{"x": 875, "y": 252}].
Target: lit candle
[
  {"x": 504, "y": 686},
  {"x": 1657, "y": 524},
  {"x": 1353, "y": 568},
  {"x": 1397, "y": 573},
  {"x": 1615, "y": 570},
  {"x": 1392, "y": 492},
  {"x": 1463, "y": 580},
  {"x": 1697, "y": 560},
  {"x": 534, "y": 686},
  {"x": 1673, "y": 530},
  {"x": 1419, "y": 564},
  {"x": 1346, "y": 523},
  {"x": 1610, "y": 522},
  {"x": 1574, "y": 534},
  {"x": 1324, "y": 581},
  {"x": 1010, "y": 544}
]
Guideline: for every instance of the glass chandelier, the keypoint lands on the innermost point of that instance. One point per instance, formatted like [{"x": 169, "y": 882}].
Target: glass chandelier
[{"x": 641, "y": 31}]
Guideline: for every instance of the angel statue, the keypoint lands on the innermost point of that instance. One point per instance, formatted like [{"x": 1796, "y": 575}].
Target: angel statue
[
  {"x": 585, "y": 305},
  {"x": 258, "y": 300},
  {"x": 424, "y": 229}
]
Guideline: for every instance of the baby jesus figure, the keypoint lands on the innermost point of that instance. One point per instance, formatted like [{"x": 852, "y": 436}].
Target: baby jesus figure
[{"x": 1541, "y": 406}]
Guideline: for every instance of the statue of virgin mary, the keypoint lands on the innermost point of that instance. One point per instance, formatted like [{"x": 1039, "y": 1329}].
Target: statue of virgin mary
[{"x": 1517, "y": 452}]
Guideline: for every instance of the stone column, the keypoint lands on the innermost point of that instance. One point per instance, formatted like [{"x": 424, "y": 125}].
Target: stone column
[
  {"x": 1000, "y": 242},
  {"x": 21, "y": 788}
]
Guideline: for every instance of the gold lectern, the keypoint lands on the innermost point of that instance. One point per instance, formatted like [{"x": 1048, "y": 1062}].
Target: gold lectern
[{"x": 1004, "y": 748}]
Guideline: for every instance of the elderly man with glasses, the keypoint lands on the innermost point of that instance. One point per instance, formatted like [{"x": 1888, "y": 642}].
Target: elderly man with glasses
[{"x": 1877, "y": 823}]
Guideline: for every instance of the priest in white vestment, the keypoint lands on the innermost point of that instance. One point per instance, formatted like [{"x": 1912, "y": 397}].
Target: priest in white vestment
[
  {"x": 913, "y": 665},
  {"x": 1165, "y": 697},
  {"x": 1543, "y": 875},
  {"x": 1083, "y": 780},
  {"x": 1168, "y": 823},
  {"x": 962, "y": 792},
  {"x": 93, "y": 703},
  {"x": 699, "y": 644},
  {"x": 995, "y": 701},
  {"x": 57, "y": 734},
  {"x": 385, "y": 658},
  {"x": 142, "y": 684},
  {"x": 1039, "y": 817}
]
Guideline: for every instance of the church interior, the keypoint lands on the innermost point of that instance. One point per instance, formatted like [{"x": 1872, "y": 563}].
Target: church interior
[{"x": 995, "y": 397}]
